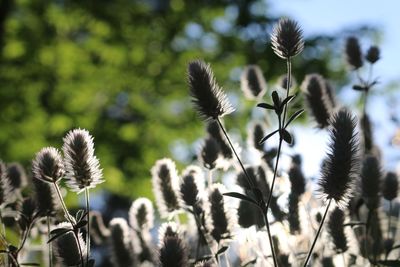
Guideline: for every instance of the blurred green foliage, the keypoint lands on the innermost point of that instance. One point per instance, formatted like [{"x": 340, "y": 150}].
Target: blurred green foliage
[{"x": 117, "y": 68}]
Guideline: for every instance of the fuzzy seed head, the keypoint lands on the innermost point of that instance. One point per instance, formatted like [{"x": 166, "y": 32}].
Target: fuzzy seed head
[
  {"x": 353, "y": 53},
  {"x": 390, "y": 186},
  {"x": 165, "y": 186},
  {"x": 336, "y": 230},
  {"x": 287, "y": 39},
  {"x": 297, "y": 179},
  {"x": 46, "y": 198},
  {"x": 82, "y": 168},
  {"x": 16, "y": 177},
  {"x": 214, "y": 130},
  {"x": 172, "y": 250},
  {"x": 210, "y": 152},
  {"x": 256, "y": 133},
  {"x": 120, "y": 243},
  {"x": 98, "y": 231},
  {"x": 293, "y": 215},
  {"x": 192, "y": 185},
  {"x": 252, "y": 82},
  {"x": 373, "y": 54},
  {"x": 208, "y": 98},
  {"x": 283, "y": 80},
  {"x": 314, "y": 89},
  {"x": 371, "y": 177},
  {"x": 48, "y": 165},
  {"x": 341, "y": 166},
  {"x": 141, "y": 214},
  {"x": 66, "y": 247}
]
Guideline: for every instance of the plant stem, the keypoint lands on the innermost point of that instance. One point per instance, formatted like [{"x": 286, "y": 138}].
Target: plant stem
[
  {"x": 389, "y": 219},
  {"x": 318, "y": 232},
  {"x": 88, "y": 225},
  {"x": 250, "y": 182},
  {"x": 209, "y": 178},
  {"x": 288, "y": 83},
  {"x": 68, "y": 216},
  {"x": 50, "y": 249}
]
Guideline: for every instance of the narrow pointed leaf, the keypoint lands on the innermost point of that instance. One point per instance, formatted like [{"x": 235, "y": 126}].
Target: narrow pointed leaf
[
  {"x": 241, "y": 196},
  {"x": 266, "y": 106},
  {"x": 59, "y": 233},
  {"x": 286, "y": 136},
  {"x": 267, "y": 137},
  {"x": 294, "y": 116},
  {"x": 275, "y": 99},
  {"x": 287, "y": 100},
  {"x": 222, "y": 250},
  {"x": 359, "y": 87}
]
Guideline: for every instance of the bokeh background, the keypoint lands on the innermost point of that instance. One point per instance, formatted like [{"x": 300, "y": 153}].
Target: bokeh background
[{"x": 117, "y": 68}]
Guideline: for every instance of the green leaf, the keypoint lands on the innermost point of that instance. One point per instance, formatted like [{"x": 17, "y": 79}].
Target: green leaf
[
  {"x": 359, "y": 87},
  {"x": 241, "y": 196},
  {"x": 294, "y": 116},
  {"x": 58, "y": 232},
  {"x": 286, "y": 136},
  {"x": 268, "y": 136},
  {"x": 222, "y": 250},
  {"x": 30, "y": 264},
  {"x": 276, "y": 100},
  {"x": 287, "y": 100},
  {"x": 80, "y": 214},
  {"x": 266, "y": 106}
]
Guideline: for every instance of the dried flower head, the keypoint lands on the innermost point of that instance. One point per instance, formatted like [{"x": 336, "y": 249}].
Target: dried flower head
[
  {"x": 252, "y": 82},
  {"x": 46, "y": 198},
  {"x": 373, "y": 54},
  {"x": 165, "y": 186},
  {"x": 255, "y": 134},
  {"x": 122, "y": 253},
  {"x": 82, "y": 168},
  {"x": 66, "y": 247},
  {"x": 286, "y": 39},
  {"x": 353, "y": 53},
  {"x": 366, "y": 127},
  {"x": 220, "y": 220},
  {"x": 168, "y": 229},
  {"x": 297, "y": 179},
  {"x": 336, "y": 230},
  {"x": 341, "y": 164},
  {"x": 172, "y": 250},
  {"x": 208, "y": 98},
  {"x": 28, "y": 212},
  {"x": 313, "y": 87},
  {"x": 214, "y": 130},
  {"x": 390, "y": 186},
  {"x": 98, "y": 231},
  {"x": 283, "y": 80},
  {"x": 371, "y": 176},
  {"x": 192, "y": 185},
  {"x": 210, "y": 152},
  {"x": 293, "y": 214},
  {"x": 48, "y": 165},
  {"x": 141, "y": 214},
  {"x": 16, "y": 177}
]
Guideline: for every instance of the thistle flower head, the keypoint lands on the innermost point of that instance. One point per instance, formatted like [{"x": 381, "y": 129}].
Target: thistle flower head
[
  {"x": 214, "y": 130},
  {"x": 208, "y": 98},
  {"x": 210, "y": 152},
  {"x": 336, "y": 230},
  {"x": 28, "y": 212},
  {"x": 165, "y": 186},
  {"x": 172, "y": 250},
  {"x": 371, "y": 176},
  {"x": 390, "y": 186},
  {"x": 16, "y": 177},
  {"x": 220, "y": 221},
  {"x": 141, "y": 214},
  {"x": 192, "y": 185},
  {"x": 373, "y": 54},
  {"x": 341, "y": 164},
  {"x": 313, "y": 87},
  {"x": 46, "y": 198},
  {"x": 82, "y": 168},
  {"x": 353, "y": 53},
  {"x": 252, "y": 82},
  {"x": 122, "y": 253},
  {"x": 286, "y": 39},
  {"x": 98, "y": 231},
  {"x": 297, "y": 179},
  {"x": 66, "y": 247},
  {"x": 48, "y": 165},
  {"x": 256, "y": 133}
]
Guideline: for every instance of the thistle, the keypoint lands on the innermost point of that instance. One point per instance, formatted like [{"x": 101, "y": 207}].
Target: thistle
[
  {"x": 255, "y": 134},
  {"x": 192, "y": 185},
  {"x": 297, "y": 179},
  {"x": 252, "y": 82},
  {"x": 208, "y": 98},
  {"x": 122, "y": 254},
  {"x": 314, "y": 88},
  {"x": 141, "y": 214},
  {"x": 69, "y": 248},
  {"x": 172, "y": 250},
  {"x": 336, "y": 230},
  {"x": 373, "y": 54},
  {"x": 293, "y": 214},
  {"x": 99, "y": 232},
  {"x": 15, "y": 177},
  {"x": 215, "y": 132},
  {"x": 209, "y": 153},
  {"x": 46, "y": 198},
  {"x": 286, "y": 39},
  {"x": 82, "y": 168},
  {"x": 390, "y": 186},
  {"x": 48, "y": 165},
  {"x": 371, "y": 176},
  {"x": 353, "y": 53},
  {"x": 165, "y": 186}
]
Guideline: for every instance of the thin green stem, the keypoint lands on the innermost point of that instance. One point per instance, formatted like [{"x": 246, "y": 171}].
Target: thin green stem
[
  {"x": 270, "y": 238},
  {"x": 288, "y": 83},
  {"x": 68, "y": 216},
  {"x": 318, "y": 232},
  {"x": 88, "y": 225}
]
